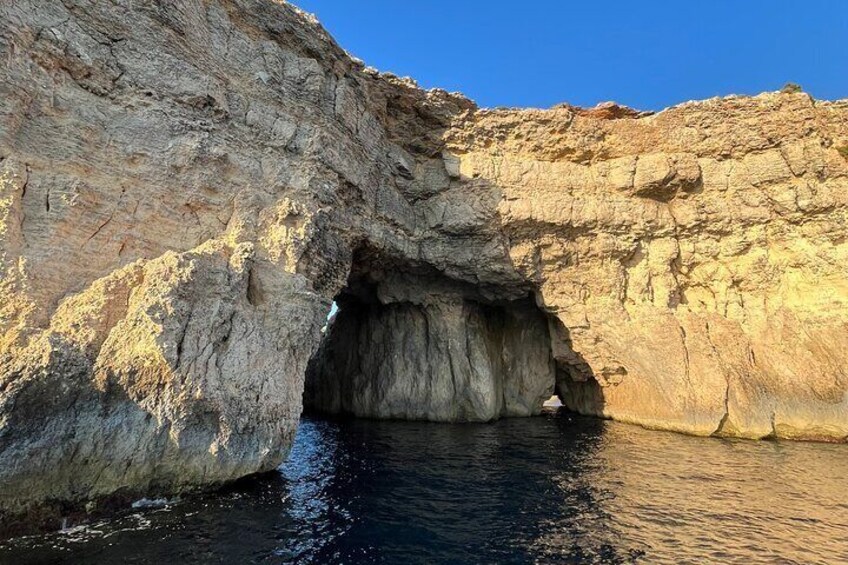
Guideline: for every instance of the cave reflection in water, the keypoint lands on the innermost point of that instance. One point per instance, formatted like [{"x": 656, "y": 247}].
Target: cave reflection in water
[{"x": 548, "y": 489}]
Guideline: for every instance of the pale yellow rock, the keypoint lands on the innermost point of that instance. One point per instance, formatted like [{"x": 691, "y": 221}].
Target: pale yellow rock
[{"x": 709, "y": 277}]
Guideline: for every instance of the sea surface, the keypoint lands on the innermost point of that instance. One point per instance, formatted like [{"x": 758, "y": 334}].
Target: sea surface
[{"x": 552, "y": 489}]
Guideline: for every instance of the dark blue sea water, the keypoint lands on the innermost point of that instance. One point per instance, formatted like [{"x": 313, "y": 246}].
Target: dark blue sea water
[{"x": 542, "y": 490}]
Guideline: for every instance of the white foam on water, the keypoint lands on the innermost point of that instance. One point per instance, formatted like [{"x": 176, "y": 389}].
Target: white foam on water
[{"x": 151, "y": 503}]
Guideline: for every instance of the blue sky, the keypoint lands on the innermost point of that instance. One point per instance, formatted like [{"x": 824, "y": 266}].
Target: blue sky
[{"x": 645, "y": 54}]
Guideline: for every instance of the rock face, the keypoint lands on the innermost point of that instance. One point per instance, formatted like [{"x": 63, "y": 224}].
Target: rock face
[
  {"x": 449, "y": 360},
  {"x": 695, "y": 257},
  {"x": 186, "y": 186}
]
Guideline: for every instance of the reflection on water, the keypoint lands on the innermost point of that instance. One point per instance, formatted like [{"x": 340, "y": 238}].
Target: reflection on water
[{"x": 545, "y": 490}]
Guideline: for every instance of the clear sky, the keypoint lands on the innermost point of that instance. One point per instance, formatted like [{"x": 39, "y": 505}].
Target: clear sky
[{"x": 648, "y": 54}]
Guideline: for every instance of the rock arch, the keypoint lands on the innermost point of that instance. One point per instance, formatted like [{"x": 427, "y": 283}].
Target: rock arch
[{"x": 185, "y": 188}]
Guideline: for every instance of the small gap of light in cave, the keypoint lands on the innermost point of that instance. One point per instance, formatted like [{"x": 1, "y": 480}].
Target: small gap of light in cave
[{"x": 330, "y": 315}]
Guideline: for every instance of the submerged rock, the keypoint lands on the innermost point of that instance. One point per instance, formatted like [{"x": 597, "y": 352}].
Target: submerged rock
[{"x": 185, "y": 188}]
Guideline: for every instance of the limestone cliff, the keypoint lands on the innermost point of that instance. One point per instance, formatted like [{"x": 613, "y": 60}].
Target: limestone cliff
[
  {"x": 186, "y": 186},
  {"x": 695, "y": 259}
]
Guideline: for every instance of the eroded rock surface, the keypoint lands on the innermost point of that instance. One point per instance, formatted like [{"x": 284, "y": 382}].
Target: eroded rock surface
[
  {"x": 444, "y": 359},
  {"x": 696, "y": 257},
  {"x": 181, "y": 188},
  {"x": 186, "y": 186}
]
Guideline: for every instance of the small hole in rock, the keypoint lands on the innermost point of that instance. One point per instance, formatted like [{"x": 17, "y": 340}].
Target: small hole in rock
[
  {"x": 552, "y": 404},
  {"x": 331, "y": 315}
]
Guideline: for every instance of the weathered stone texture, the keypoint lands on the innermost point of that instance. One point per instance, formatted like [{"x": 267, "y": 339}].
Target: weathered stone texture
[
  {"x": 448, "y": 359},
  {"x": 185, "y": 186},
  {"x": 696, "y": 256}
]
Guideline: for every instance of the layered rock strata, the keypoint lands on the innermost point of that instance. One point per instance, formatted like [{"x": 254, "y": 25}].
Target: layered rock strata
[
  {"x": 696, "y": 257},
  {"x": 186, "y": 186}
]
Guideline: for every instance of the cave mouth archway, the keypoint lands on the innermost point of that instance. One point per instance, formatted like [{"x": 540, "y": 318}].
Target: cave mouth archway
[{"x": 410, "y": 343}]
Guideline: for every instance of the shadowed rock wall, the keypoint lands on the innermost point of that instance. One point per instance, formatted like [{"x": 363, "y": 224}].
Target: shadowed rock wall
[{"x": 450, "y": 360}]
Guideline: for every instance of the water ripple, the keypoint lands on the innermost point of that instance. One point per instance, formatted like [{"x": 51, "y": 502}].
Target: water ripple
[{"x": 542, "y": 490}]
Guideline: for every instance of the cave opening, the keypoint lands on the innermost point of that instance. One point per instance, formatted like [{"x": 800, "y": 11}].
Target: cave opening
[
  {"x": 404, "y": 341},
  {"x": 553, "y": 403}
]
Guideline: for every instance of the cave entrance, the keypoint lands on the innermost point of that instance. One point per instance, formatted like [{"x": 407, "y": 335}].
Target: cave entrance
[{"x": 407, "y": 342}]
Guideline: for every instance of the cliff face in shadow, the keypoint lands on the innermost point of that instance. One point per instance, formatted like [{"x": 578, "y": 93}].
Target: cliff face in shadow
[
  {"x": 185, "y": 187},
  {"x": 444, "y": 358}
]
